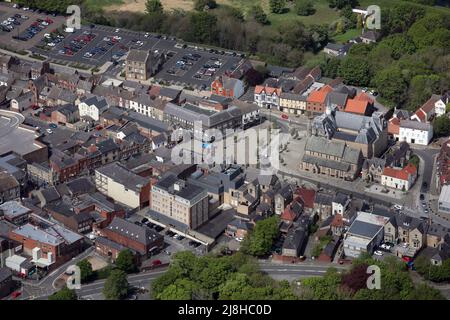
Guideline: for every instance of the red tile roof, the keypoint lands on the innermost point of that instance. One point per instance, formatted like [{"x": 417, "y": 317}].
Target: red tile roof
[
  {"x": 402, "y": 174},
  {"x": 320, "y": 95},
  {"x": 421, "y": 115},
  {"x": 362, "y": 96},
  {"x": 307, "y": 196},
  {"x": 267, "y": 90},
  {"x": 429, "y": 105},
  {"x": 356, "y": 106},
  {"x": 394, "y": 126},
  {"x": 288, "y": 214},
  {"x": 337, "y": 221}
]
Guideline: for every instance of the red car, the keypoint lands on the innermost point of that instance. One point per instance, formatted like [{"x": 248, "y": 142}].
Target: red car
[
  {"x": 34, "y": 107},
  {"x": 48, "y": 20},
  {"x": 156, "y": 262},
  {"x": 284, "y": 116},
  {"x": 16, "y": 294}
]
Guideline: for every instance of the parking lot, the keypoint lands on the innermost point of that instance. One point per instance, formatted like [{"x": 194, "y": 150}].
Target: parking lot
[
  {"x": 185, "y": 65},
  {"x": 21, "y": 22}
]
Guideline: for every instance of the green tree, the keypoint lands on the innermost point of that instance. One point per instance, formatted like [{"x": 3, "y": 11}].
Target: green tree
[
  {"x": 203, "y": 27},
  {"x": 355, "y": 71},
  {"x": 64, "y": 294},
  {"x": 86, "y": 270},
  {"x": 154, "y": 6},
  {"x": 414, "y": 160},
  {"x": 339, "y": 4},
  {"x": 181, "y": 289},
  {"x": 125, "y": 261},
  {"x": 257, "y": 12},
  {"x": 259, "y": 242},
  {"x": 391, "y": 85},
  {"x": 200, "y": 5},
  {"x": 425, "y": 292},
  {"x": 277, "y": 6},
  {"x": 350, "y": 17},
  {"x": 441, "y": 126},
  {"x": 116, "y": 286},
  {"x": 304, "y": 7}
]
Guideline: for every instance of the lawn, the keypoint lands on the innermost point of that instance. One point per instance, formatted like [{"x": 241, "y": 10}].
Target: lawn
[
  {"x": 99, "y": 4},
  {"x": 348, "y": 35},
  {"x": 323, "y": 15}
]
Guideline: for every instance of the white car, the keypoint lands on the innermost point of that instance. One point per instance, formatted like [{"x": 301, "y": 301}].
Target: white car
[
  {"x": 51, "y": 44},
  {"x": 44, "y": 23},
  {"x": 378, "y": 253},
  {"x": 88, "y": 54},
  {"x": 147, "y": 35},
  {"x": 25, "y": 8},
  {"x": 239, "y": 239},
  {"x": 398, "y": 207},
  {"x": 117, "y": 38},
  {"x": 47, "y": 35},
  {"x": 106, "y": 39},
  {"x": 49, "y": 131},
  {"x": 117, "y": 30}
]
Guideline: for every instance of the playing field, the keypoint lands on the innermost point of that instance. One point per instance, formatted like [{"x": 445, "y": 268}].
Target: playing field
[{"x": 139, "y": 5}]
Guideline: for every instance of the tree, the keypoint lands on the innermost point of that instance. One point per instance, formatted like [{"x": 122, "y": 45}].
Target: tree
[
  {"x": 391, "y": 85},
  {"x": 200, "y": 5},
  {"x": 203, "y": 27},
  {"x": 339, "y": 4},
  {"x": 125, "y": 261},
  {"x": 260, "y": 240},
  {"x": 415, "y": 161},
  {"x": 257, "y": 12},
  {"x": 85, "y": 270},
  {"x": 441, "y": 126},
  {"x": 304, "y": 7},
  {"x": 425, "y": 292},
  {"x": 116, "y": 286},
  {"x": 277, "y": 6},
  {"x": 181, "y": 289},
  {"x": 64, "y": 294},
  {"x": 355, "y": 71},
  {"x": 350, "y": 17},
  {"x": 356, "y": 279},
  {"x": 154, "y": 6}
]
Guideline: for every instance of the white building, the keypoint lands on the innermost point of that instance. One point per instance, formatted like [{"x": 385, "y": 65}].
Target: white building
[
  {"x": 92, "y": 107},
  {"x": 122, "y": 185},
  {"x": 415, "y": 132},
  {"x": 444, "y": 200},
  {"x": 365, "y": 233},
  {"x": 267, "y": 97},
  {"x": 340, "y": 203},
  {"x": 401, "y": 179}
]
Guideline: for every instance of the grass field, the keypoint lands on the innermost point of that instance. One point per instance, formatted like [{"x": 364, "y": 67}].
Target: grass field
[
  {"x": 348, "y": 35},
  {"x": 98, "y": 4},
  {"x": 139, "y": 5}
]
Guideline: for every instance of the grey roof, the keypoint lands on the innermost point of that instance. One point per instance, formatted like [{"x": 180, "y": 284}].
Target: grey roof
[
  {"x": 333, "y": 148},
  {"x": 12, "y": 209},
  {"x": 295, "y": 239},
  {"x": 364, "y": 229},
  {"x": 341, "y": 198},
  {"x": 146, "y": 122},
  {"x": 132, "y": 231},
  {"x": 187, "y": 191},
  {"x": 376, "y": 162},
  {"x": 323, "y": 198},
  {"x": 52, "y": 234},
  {"x": 336, "y": 98},
  {"x": 50, "y": 194},
  {"x": 7, "y": 181},
  {"x": 99, "y": 102},
  {"x": 409, "y": 223},
  {"x": 416, "y": 125},
  {"x": 5, "y": 273},
  {"x": 169, "y": 92},
  {"x": 109, "y": 243},
  {"x": 138, "y": 55},
  {"x": 334, "y": 46},
  {"x": 120, "y": 174},
  {"x": 80, "y": 186},
  {"x": 293, "y": 96}
]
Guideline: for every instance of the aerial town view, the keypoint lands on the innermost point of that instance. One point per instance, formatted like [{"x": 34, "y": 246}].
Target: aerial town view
[{"x": 224, "y": 150}]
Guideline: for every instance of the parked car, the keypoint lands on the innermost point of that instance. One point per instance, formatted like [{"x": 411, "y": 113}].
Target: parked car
[
  {"x": 156, "y": 262},
  {"x": 16, "y": 294},
  {"x": 378, "y": 253}
]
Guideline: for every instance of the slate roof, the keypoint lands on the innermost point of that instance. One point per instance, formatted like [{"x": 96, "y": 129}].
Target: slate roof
[
  {"x": 138, "y": 55},
  {"x": 120, "y": 174},
  {"x": 143, "y": 235}
]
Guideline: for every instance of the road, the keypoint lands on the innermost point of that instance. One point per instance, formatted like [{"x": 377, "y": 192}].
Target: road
[
  {"x": 94, "y": 290},
  {"x": 32, "y": 289},
  {"x": 9, "y": 121},
  {"x": 295, "y": 271}
]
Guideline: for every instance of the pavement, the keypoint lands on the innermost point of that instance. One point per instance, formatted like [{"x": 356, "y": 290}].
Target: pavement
[{"x": 9, "y": 120}]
